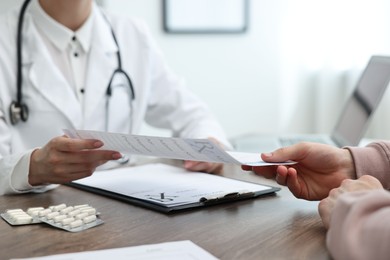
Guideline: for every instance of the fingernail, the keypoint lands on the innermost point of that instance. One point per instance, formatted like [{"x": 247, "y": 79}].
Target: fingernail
[
  {"x": 267, "y": 154},
  {"x": 98, "y": 144},
  {"x": 116, "y": 156},
  {"x": 187, "y": 164}
]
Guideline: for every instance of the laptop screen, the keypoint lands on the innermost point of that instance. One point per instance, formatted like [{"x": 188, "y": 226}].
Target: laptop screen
[{"x": 364, "y": 100}]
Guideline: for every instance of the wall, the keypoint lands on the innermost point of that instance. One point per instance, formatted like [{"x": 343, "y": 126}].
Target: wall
[
  {"x": 291, "y": 72},
  {"x": 237, "y": 75},
  {"x": 287, "y": 73}
]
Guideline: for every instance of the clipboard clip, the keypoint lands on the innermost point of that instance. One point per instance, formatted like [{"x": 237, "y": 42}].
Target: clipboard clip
[{"x": 227, "y": 197}]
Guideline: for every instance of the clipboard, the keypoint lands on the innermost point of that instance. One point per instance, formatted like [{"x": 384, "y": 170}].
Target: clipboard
[{"x": 167, "y": 189}]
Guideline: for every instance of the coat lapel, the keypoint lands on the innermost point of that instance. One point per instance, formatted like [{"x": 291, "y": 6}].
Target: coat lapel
[
  {"x": 101, "y": 65},
  {"x": 49, "y": 81},
  {"x": 46, "y": 78}
]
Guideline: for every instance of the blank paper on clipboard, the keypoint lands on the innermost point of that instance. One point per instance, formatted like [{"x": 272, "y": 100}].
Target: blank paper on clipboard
[{"x": 167, "y": 188}]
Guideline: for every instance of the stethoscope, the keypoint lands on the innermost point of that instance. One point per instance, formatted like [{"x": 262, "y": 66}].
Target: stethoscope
[{"x": 19, "y": 110}]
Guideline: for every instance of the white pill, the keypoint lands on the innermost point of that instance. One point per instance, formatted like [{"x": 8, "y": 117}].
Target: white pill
[
  {"x": 59, "y": 218},
  {"x": 74, "y": 213},
  {"x": 44, "y": 212},
  {"x": 66, "y": 221},
  {"x": 34, "y": 211},
  {"x": 59, "y": 207},
  {"x": 23, "y": 219},
  {"x": 85, "y": 208},
  {"x": 17, "y": 215},
  {"x": 89, "y": 219},
  {"x": 66, "y": 210},
  {"x": 90, "y": 211},
  {"x": 14, "y": 210},
  {"x": 81, "y": 206},
  {"x": 81, "y": 215},
  {"x": 52, "y": 214},
  {"x": 75, "y": 224}
]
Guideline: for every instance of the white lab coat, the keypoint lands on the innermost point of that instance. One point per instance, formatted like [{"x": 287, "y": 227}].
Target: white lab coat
[{"x": 161, "y": 99}]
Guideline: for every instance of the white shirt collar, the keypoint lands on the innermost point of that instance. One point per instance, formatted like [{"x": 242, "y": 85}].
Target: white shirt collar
[{"x": 57, "y": 33}]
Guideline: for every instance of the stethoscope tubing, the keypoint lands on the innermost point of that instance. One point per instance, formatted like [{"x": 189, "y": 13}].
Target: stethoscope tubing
[{"x": 19, "y": 110}]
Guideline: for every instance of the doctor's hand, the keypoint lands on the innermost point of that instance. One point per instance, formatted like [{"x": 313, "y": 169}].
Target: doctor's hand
[
  {"x": 208, "y": 167},
  {"x": 364, "y": 183},
  {"x": 64, "y": 159},
  {"x": 319, "y": 169}
]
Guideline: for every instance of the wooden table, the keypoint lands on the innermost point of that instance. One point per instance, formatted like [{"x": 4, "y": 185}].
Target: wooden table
[{"x": 271, "y": 227}]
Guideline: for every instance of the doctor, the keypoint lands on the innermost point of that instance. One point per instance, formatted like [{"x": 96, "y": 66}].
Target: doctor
[{"x": 73, "y": 66}]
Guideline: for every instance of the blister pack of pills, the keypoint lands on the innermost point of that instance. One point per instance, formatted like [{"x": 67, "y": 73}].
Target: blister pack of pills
[{"x": 70, "y": 218}]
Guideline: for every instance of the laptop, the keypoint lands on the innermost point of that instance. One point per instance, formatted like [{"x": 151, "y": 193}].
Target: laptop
[{"x": 352, "y": 122}]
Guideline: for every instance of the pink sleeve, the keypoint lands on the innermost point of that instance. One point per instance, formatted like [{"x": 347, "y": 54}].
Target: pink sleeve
[
  {"x": 360, "y": 226},
  {"x": 373, "y": 160}
]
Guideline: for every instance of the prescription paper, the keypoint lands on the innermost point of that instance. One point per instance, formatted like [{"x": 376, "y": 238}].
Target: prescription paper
[{"x": 169, "y": 147}]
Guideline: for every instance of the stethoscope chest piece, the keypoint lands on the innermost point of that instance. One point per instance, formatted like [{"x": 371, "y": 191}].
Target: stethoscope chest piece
[{"x": 18, "y": 112}]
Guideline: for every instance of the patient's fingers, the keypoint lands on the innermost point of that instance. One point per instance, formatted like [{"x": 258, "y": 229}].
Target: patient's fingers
[
  {"x": 281, "y": 177},
  {"x": 268, "y": 172},
  {"x": 246, "y": 167}
]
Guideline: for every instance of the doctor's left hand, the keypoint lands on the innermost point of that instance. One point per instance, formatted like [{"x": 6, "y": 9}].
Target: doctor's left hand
[{"x": 64, "y": 159}]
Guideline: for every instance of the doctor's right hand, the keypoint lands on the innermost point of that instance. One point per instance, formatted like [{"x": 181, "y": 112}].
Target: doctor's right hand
[{"x": 65, "y": 159}]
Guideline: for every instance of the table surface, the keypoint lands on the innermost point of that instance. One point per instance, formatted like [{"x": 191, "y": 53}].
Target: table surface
[{"x": 269, "y": 227}]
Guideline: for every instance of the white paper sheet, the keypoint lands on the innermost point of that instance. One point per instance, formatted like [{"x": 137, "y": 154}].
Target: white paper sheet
[
  {"x": 169, "y": 147},
  {"x": 180, "y": 250}
]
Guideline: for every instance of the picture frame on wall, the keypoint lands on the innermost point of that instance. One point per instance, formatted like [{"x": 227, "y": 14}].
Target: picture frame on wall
[{"x": 205, "y": 16}]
